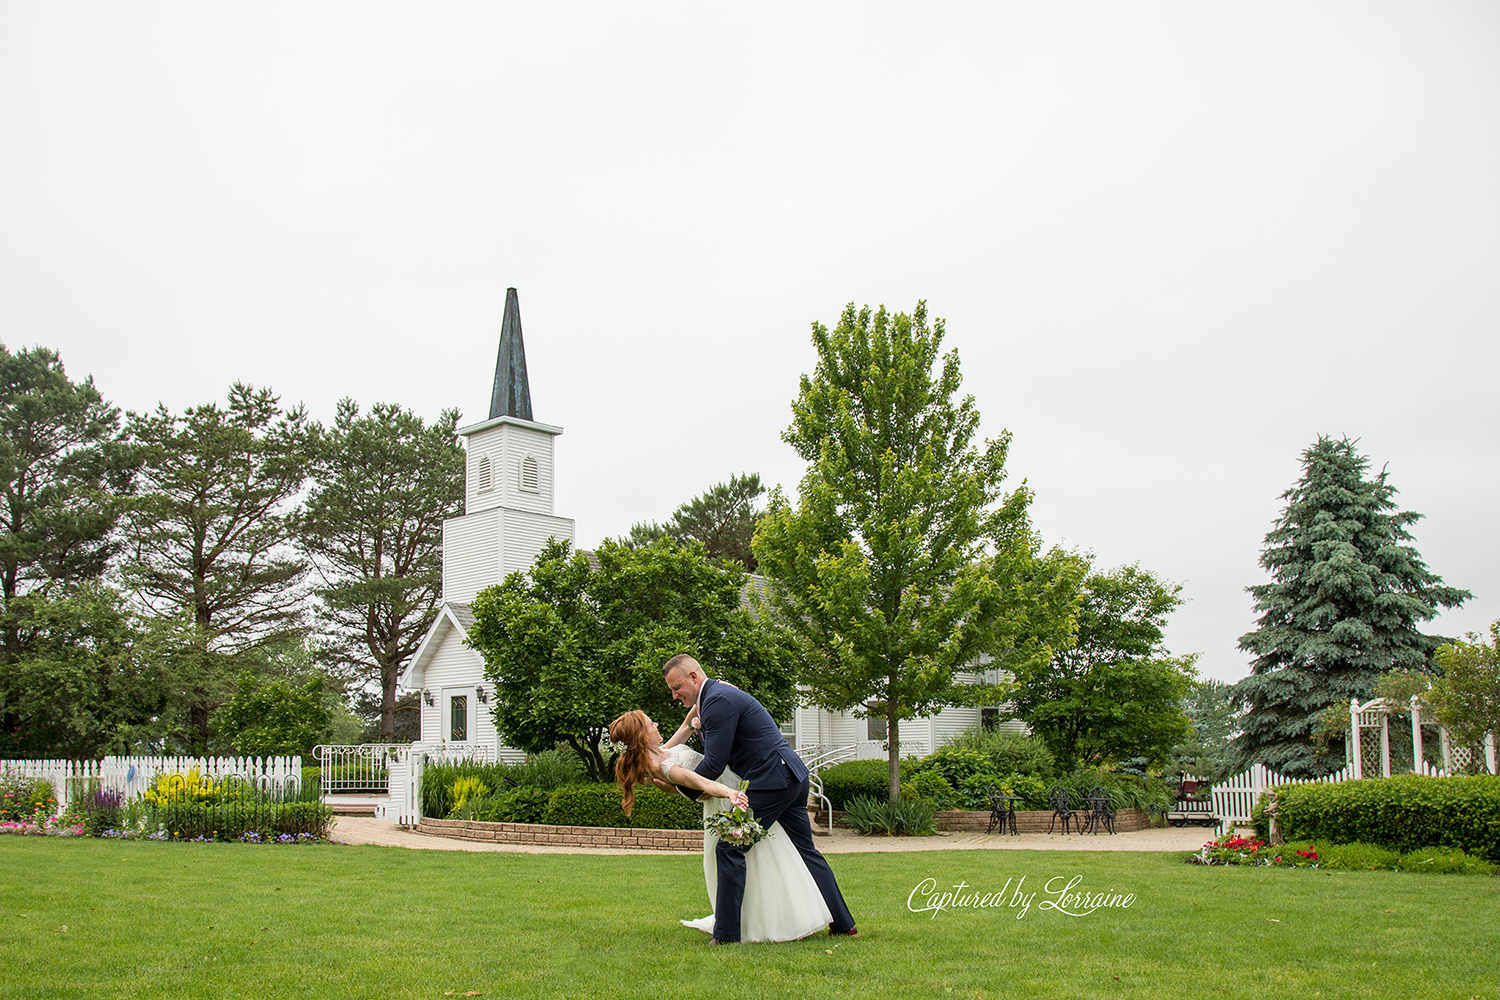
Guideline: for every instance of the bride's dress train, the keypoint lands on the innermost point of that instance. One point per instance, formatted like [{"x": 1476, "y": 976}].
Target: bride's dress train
[{"x": 782, "y": 902}]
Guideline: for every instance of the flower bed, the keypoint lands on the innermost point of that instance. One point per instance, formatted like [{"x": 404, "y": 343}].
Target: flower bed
[
  {"x": 1232, "y": 849},
  {"x": 184, "y": 806}
]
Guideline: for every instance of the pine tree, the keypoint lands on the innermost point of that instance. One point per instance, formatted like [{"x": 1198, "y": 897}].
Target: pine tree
[
  {"x": 67, "y": 679},
  {"x": 1343, "y": 607},
  {"x": 723, "y": 518},
  {"x": 373, "y": 527},
  {"x": 209, "y": 538}
]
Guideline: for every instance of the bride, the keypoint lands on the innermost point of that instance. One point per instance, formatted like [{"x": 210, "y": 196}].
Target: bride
[{"x": 782, "y": 902}]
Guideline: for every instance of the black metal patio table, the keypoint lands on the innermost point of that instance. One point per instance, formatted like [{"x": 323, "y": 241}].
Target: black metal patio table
[
  {"x": 1101, "y": 812},
  {"x": 1003, "y": 811}
]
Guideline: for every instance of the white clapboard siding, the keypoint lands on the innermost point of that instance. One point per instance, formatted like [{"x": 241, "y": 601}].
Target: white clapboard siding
[
  {"x": 507, "y": 445},
  {"x": 453, "y": 665},
  {"x": 524, "y": 534},
  {"x": 471, "y": 555},
  {"x": 486, "y": 470}
]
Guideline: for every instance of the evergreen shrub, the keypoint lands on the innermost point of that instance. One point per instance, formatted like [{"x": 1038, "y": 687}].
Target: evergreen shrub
[
  {"x": 548, "y": 771},
  {"x": 1403, "y": 813}
]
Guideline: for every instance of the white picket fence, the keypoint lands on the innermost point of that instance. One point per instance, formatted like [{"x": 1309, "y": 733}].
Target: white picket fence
[
  {"x": 1234, "y": 797},
  {"x": 133, "y": 775}
]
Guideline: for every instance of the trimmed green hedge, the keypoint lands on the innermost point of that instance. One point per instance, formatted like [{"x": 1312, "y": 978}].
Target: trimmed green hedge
[
  {"x": 599, "y": 805},
  {"x": 1403, "y": 813},
  {"x": 854, "y": 779}
]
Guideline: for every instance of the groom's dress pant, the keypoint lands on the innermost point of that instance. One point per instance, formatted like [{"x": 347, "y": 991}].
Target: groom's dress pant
[{"x": 789, "y": 806}]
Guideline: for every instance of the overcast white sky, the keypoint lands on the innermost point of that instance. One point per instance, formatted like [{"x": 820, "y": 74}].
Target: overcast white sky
[{"x": 1173, "y": 242}]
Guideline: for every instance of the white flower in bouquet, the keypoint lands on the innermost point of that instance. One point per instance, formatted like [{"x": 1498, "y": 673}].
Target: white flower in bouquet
[{"x": 737, "y": 825}]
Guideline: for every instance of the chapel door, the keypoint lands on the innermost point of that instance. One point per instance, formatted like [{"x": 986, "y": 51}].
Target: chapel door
[{"x": 458, "y": 715}]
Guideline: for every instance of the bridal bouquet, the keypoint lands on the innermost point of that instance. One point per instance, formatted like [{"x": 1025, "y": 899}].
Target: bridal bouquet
[{"x": 737, "y": 825}]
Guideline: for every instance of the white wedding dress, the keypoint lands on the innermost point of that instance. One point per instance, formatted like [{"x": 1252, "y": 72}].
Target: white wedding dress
[{"x": 782, "y": 902}]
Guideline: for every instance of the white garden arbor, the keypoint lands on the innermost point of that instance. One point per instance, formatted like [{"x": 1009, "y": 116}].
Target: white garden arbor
[{"x": 1371, "y": 735}]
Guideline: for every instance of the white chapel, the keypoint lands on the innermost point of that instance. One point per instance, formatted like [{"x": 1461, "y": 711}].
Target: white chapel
[{"x": 508, "y": 517}]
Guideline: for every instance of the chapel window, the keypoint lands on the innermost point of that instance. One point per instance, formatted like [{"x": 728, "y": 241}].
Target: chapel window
[
  {"x": 458, "y": 718},
  {"x": 529, "y": 476},
  {"x": 483, "y": 479}
]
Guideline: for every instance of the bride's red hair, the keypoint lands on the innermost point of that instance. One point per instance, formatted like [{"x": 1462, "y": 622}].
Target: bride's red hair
[{"x": 632, "y": 766}]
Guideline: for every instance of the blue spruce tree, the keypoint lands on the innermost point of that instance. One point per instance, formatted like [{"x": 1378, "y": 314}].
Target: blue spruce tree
[{"x": 1343, "y": 607}]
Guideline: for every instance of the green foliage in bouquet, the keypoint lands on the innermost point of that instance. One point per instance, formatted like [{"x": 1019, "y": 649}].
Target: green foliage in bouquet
[{"x": 736, "y": 825}]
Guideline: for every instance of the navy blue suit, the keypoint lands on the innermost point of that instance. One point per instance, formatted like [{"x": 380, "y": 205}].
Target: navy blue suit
[{"x": 740, "y": 734}]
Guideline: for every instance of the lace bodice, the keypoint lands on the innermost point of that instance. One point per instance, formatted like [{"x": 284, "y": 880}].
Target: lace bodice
[{"x": 681, "y": 755}]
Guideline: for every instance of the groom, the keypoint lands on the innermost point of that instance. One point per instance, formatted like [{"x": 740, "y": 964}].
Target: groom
[{"x": 739, "y": 733}]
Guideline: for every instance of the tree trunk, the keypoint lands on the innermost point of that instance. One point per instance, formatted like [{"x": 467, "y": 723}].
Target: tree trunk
[
  {"x": 198, "y": 717},
  {"x": 893, "y": 754},
  {"x": 389, "y": 674}
]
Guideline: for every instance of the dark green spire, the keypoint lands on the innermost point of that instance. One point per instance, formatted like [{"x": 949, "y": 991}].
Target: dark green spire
[{"x": 512, "y": 393}]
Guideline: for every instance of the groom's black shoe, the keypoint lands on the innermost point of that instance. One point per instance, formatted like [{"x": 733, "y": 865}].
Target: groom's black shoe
[
  {"x": 851, "y": 932},
  {"x": 713, "y": 941}
]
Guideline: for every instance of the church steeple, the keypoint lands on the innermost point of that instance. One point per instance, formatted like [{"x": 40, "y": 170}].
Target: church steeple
[{"x": 512, "y": 393}]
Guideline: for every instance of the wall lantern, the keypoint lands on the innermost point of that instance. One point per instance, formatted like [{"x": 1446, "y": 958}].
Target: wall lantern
[
  {"x": 482, "y": 695},
  {"x": 427, "y": 698}
]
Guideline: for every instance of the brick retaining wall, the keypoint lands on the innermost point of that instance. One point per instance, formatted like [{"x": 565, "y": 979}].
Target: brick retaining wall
[
  {"x": 955, "y": 821},
  {"x": 564, "y": 836},
  {"x": 1027, "y": 821}
]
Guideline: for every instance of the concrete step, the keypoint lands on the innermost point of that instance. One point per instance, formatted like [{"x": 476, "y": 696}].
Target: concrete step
[{"x": 360, "y": 804}]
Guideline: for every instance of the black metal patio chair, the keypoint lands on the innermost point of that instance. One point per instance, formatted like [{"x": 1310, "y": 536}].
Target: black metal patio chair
[{"x": 1061, "y": 807}]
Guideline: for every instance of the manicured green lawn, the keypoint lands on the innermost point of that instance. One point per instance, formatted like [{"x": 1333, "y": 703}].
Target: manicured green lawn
[{"x": 231, "y": 920}]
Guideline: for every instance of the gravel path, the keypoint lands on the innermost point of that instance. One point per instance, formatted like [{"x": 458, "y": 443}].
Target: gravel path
[{"x": 366, "y": 830}]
